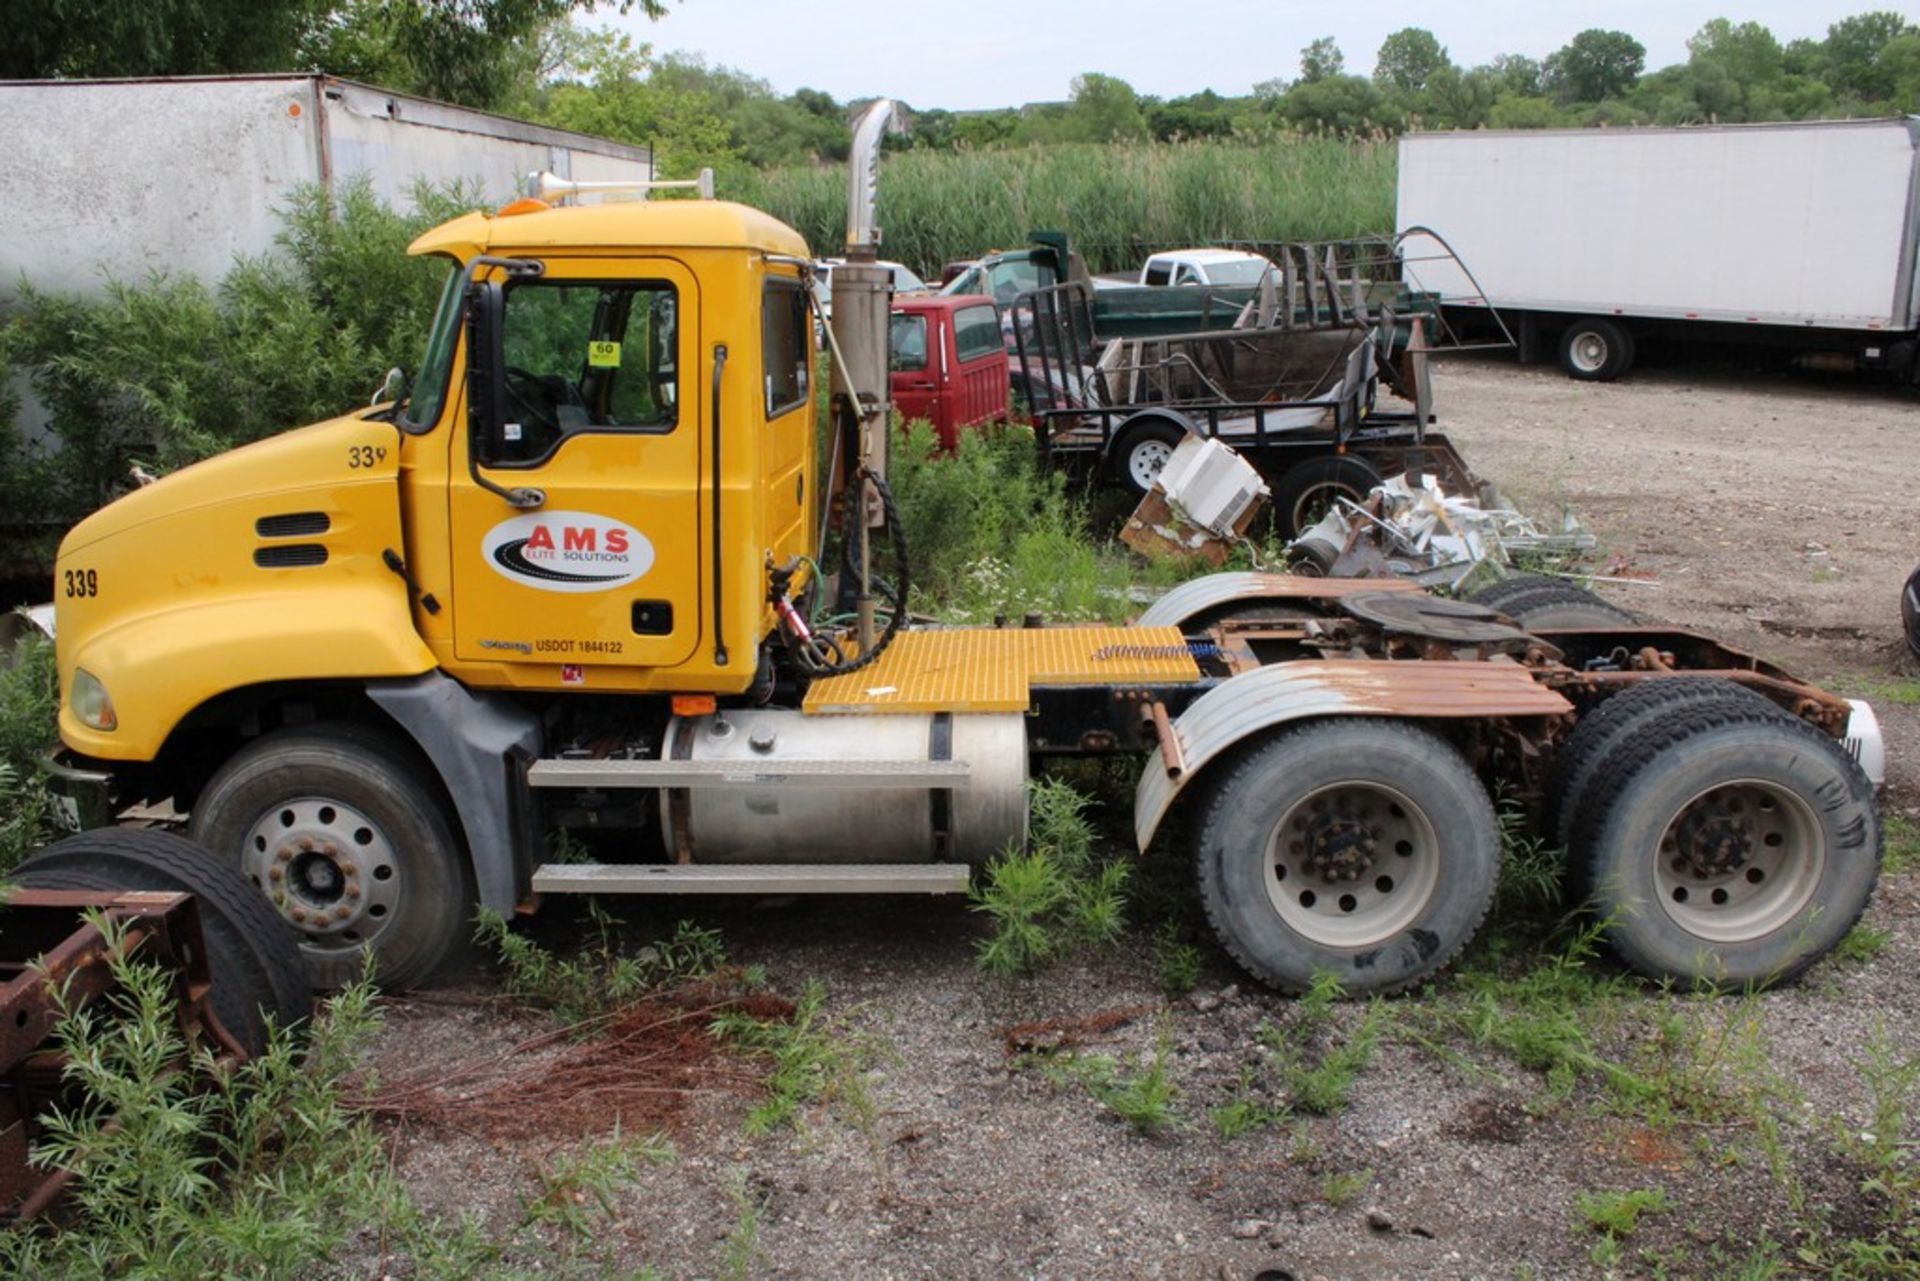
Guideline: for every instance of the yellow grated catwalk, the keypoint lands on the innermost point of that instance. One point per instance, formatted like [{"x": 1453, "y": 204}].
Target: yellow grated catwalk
[{"x": 991, "y": 669}]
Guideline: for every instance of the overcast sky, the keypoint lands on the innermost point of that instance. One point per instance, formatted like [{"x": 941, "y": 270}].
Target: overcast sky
[{"x": 963, "y": 54}]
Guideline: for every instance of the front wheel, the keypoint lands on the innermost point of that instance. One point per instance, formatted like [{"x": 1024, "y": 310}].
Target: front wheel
[
  {"x": 1366, "y": 849},
  {"x": 350, "y": 844}
]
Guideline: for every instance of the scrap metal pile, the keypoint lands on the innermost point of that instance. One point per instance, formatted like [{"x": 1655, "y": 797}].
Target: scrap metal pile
[{"x": 1409, "y": 527}]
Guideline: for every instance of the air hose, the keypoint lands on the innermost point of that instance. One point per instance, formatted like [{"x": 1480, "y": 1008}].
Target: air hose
[{"x": 819, "y": 655}]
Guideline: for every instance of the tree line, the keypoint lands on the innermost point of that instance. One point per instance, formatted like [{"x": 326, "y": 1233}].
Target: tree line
[{"x": 532, "y": 58}]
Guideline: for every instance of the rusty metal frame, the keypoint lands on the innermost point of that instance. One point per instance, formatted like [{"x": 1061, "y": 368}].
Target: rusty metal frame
[{"x": 70, "y": 969}]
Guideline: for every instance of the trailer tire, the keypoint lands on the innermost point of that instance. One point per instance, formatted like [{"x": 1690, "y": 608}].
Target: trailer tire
[
  {"x": 1729, "y": 846},
  {"x": 1910, "y": 612},
  {"x": 1562, "y": 605},
  {"x": 305, "y": 812},
  {"x": 255, "y": 965},
  {"x": 1578, "y": 763},
  {"x": 1495, "y": 594},
  {"x": 1307, "y": 489},
  {"x": 1379, "y": 919},
  {"x": 1140, "y": 449},
  {"x": 1595, "y": 350}
]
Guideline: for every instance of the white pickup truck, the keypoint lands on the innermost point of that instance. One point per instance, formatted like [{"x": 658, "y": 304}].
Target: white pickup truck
[{"x": 1204, "y": 267}]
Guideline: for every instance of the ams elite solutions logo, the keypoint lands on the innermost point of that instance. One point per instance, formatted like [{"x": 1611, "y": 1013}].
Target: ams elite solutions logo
[{"x": 567, "y": 551}]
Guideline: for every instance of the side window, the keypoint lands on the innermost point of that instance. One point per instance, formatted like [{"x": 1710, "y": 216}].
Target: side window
[
  {"x": 585, "y": 357},
  {"x": 1157, "y": 273},
  {"x": 783, "y": 337},
  {"x": 976, "y": 332},
  {"x": 907, "y": 344}
]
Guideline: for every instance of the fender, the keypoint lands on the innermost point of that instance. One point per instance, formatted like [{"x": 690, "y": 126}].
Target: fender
[
  {"x": 1252, "y": 703},
  {"x": 160, "y": 666},
  {"x": 1197, "y": 596}
]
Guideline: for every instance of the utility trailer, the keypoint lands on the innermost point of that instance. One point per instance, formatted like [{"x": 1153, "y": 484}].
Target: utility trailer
[
  {"x": 1795, "y": 236},
  {"x": 1298, "y": 396},
  {"x": 382, "y": 661}
]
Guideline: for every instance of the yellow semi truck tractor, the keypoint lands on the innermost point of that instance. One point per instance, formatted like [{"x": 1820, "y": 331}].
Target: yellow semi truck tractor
[{"x": 561, "y": 583}]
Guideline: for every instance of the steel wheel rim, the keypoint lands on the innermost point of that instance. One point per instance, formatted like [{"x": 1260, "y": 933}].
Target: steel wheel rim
[
  {"x": 1332, "y": 890},
  {"x": 1146, "y": 460},
  {"x": 1589, "y": 352},
  {"x": 328, "y": 869},
  {"x": 1739, "y": 861}
]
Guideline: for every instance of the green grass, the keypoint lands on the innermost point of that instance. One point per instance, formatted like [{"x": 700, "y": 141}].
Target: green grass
[
  {"x": 1142, "y": 1094},
  {"x": 814, "y": 1059},
  {"x": 1618, "y": 1214},
  {"x": 1902, "y": 836},
  {"x": 1343, "y": 1187},
  {"x": 599, "y": 977},
  {"x": 1116, "y": 202}
]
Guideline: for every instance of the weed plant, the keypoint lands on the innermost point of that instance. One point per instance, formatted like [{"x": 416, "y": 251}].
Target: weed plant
[
  {"x": 1143, "y": 1094},
  {"x": 1055, "y": 895},
  {"x": 600, "y": 977},
  {"x": 814, "y": 1059}
]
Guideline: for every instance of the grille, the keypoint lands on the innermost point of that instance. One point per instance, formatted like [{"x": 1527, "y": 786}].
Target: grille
[
  {"x": 290, "y": 556},
  {"x": 292, "y": 524}
]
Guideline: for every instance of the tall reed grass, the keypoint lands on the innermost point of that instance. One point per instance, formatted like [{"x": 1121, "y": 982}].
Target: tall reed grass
[{"x": 1116, "y": 202}]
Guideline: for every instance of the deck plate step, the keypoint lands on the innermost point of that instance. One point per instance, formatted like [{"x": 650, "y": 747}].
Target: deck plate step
[
  {"x": 752, "y": 878},
  {"x": 768, "y": 773}
]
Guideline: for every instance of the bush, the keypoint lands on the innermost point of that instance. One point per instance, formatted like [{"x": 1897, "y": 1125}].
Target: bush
[
  {"x": 167, "y": 370},
  {"x": 28, "y": 701}
]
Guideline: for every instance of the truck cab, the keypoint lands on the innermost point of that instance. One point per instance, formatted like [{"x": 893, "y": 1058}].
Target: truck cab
[
  {"x": 948, "y": 364},
  {"x": 1205, "y": 267}
]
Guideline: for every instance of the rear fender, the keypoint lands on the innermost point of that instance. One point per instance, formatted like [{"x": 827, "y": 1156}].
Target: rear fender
[{"x": 1253, "y": 704}]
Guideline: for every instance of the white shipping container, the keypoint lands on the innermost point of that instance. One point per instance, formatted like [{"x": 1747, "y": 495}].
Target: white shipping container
[{"x": 1810, "y": 225}]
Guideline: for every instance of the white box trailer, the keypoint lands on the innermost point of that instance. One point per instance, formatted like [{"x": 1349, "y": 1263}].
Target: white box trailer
[
  {"x": 123, "y": 176},
  {"x": 1793, "y": 235}
]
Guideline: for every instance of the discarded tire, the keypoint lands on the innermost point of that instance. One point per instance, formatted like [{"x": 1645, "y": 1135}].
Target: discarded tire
[
  {"x": 1542, "y": 603},
  {"x": 1306, "y": 490},
  {"x": 1362, "y": 848},
  {"x": 253, "y": 961},
  {"x": 1727, "y": 845}
]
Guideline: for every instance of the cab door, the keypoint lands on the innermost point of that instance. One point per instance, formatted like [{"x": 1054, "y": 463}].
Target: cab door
[{"x": 592, "y": 409}]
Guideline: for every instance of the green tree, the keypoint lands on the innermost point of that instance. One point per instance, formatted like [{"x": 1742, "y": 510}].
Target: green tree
[
  {"x": 1321, "y": 60},
  {"x": 1593, "y": 66},
  {"x": 1853, "y": 54},
  {"x": 48, "y": 38},
  {"x": 1408, "y": 59},
  {"x": 1460, "y": 99},
  {"x": 479, "y": 53},
  {"x": 1339, "y": 104},
  {"x": 1104, "y": 109},
  {"x": 1515, "y": 73},
  {"x": 611, "y": 88}
]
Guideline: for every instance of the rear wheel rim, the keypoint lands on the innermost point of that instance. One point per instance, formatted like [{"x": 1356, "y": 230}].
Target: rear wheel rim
[
  {"x": 1317, "y": 500},
  {"x": 1740, "y": 861},
  {"x": 1352, "y": 864},
  {"x": 1146, "y": 460},
  {"x": 1588, "y": 352},
  {"x": 328, "y": 869}
]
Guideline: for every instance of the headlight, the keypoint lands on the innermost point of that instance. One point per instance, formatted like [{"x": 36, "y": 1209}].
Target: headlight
[{"x": 89, "y": 701}]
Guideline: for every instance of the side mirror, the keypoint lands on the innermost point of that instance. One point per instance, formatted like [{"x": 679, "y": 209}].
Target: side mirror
[
  {"x": 391, "y": 388},
  {"x": 486, "y": 370}
]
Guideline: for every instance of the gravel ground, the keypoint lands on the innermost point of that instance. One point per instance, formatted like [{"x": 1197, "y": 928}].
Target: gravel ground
[{"x": 1758, "y": 509}]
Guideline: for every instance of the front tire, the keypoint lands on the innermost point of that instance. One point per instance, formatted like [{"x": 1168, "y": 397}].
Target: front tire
[
  {"x": 1730, "y": 846},
  {"x": 350, "y": 843},
  {"x": 1362, "y": 848}
]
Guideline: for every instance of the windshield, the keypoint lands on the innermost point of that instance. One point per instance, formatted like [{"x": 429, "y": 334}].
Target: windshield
[
  {"x": 1238, "y": 273},
  {"x": 429, "y": 387}
]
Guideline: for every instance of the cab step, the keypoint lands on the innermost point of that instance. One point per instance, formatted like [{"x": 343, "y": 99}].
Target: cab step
[
  {"x": 752, "y": 878},
  {"x": 862, "y": 775}
]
